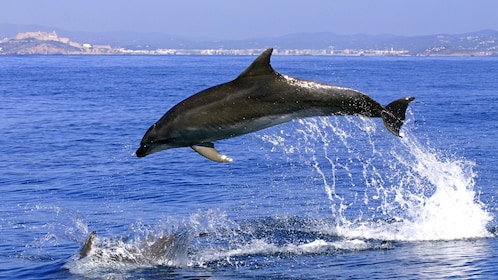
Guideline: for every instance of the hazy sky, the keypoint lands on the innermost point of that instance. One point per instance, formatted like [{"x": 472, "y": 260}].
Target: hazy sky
[{"x": 233, "y": 19}]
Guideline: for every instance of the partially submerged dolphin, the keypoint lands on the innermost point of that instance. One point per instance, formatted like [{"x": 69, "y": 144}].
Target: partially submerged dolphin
[
  {"x": 258, "y": 98},
  {"x": 165, "y": 247}
]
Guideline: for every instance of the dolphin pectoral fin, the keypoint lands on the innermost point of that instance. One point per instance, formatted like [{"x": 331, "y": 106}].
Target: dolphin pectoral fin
[
  {"x": 88, "y": 245},
  {"x": 207, "y": 150},
  {"x": 395, "y": 113}
]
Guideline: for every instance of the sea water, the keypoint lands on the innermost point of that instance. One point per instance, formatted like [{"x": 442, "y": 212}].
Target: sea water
[{"x": 327, "y": 197}]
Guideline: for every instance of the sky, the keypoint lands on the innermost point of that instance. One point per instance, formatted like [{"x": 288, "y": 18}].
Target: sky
[{"x": 234, "y": 19}]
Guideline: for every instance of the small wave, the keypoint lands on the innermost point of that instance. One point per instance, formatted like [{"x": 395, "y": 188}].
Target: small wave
[{"x": 263, "y": 247}]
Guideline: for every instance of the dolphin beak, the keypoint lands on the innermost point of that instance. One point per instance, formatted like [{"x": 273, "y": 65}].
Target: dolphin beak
[
  {"x": 147, "y": 149},
  {"x": 142, "y": 151}
]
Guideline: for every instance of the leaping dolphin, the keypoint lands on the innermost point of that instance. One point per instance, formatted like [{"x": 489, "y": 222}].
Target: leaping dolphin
[{"x": 258, "y": 98}]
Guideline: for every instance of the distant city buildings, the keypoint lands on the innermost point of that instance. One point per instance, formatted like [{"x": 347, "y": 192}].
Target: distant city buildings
[{"x": 50, "y": 43}]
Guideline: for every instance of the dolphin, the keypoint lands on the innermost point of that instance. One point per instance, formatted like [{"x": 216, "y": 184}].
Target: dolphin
[
  {"x": 258, "y": 98},
  {"x": 165, "y": 247}
]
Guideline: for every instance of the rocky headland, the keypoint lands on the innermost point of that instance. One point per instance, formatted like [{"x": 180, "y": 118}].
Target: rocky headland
[{"x": 46, "y": 43}]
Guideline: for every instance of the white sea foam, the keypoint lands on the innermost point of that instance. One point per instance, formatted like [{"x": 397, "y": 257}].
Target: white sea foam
[
  {"x": 264, "y": 247},
  {"x": 412, "y": 192}
]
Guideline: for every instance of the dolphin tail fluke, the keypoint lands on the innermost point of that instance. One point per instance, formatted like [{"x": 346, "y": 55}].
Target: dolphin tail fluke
[
  {"x": 207, "y": 150},
  {"x": 394, "y": 114}
]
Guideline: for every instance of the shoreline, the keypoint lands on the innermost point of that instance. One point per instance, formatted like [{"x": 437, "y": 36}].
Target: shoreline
[{"x": 49, "y": 43}]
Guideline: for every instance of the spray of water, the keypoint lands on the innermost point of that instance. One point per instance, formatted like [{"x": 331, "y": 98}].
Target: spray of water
[
  {"x": 380, "y": 188},
  {"x": 394, "y": 189},
  {"x": 146, "y": 247}
]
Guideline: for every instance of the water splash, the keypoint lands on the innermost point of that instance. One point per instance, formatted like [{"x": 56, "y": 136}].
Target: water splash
[
  {"x": 386, "y": 188},
  {"x": 146, "y": 247},
  {"x": 253, "y": 241},
  {"x": 211, "y": 238},
  {"x": 380, "y": 188}
]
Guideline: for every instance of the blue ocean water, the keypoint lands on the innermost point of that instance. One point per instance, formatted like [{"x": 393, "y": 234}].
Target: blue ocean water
[{"x": 330, "y": 197}]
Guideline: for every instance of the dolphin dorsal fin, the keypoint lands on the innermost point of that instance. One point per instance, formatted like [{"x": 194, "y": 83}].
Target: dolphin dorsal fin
[
  {"x": 85, "y": 251},
  {"x": 260, "y": 66}
]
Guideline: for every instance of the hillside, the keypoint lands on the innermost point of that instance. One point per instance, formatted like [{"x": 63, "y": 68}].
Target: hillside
[{"x": 48, "y": 43}]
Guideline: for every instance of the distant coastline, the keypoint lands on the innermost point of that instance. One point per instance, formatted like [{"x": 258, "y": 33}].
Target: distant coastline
[{"x": 49, "y": 43}]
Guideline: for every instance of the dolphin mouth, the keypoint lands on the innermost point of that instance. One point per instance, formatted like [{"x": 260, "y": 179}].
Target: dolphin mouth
[
  {"x": 147, "y": 149},
  {"x": 141, "y": 152}
]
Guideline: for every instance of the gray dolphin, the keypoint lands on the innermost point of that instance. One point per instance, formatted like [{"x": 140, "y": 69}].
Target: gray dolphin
[
  {"x": 165, "y": 247},
  {"x": 258, "y": 98}
]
